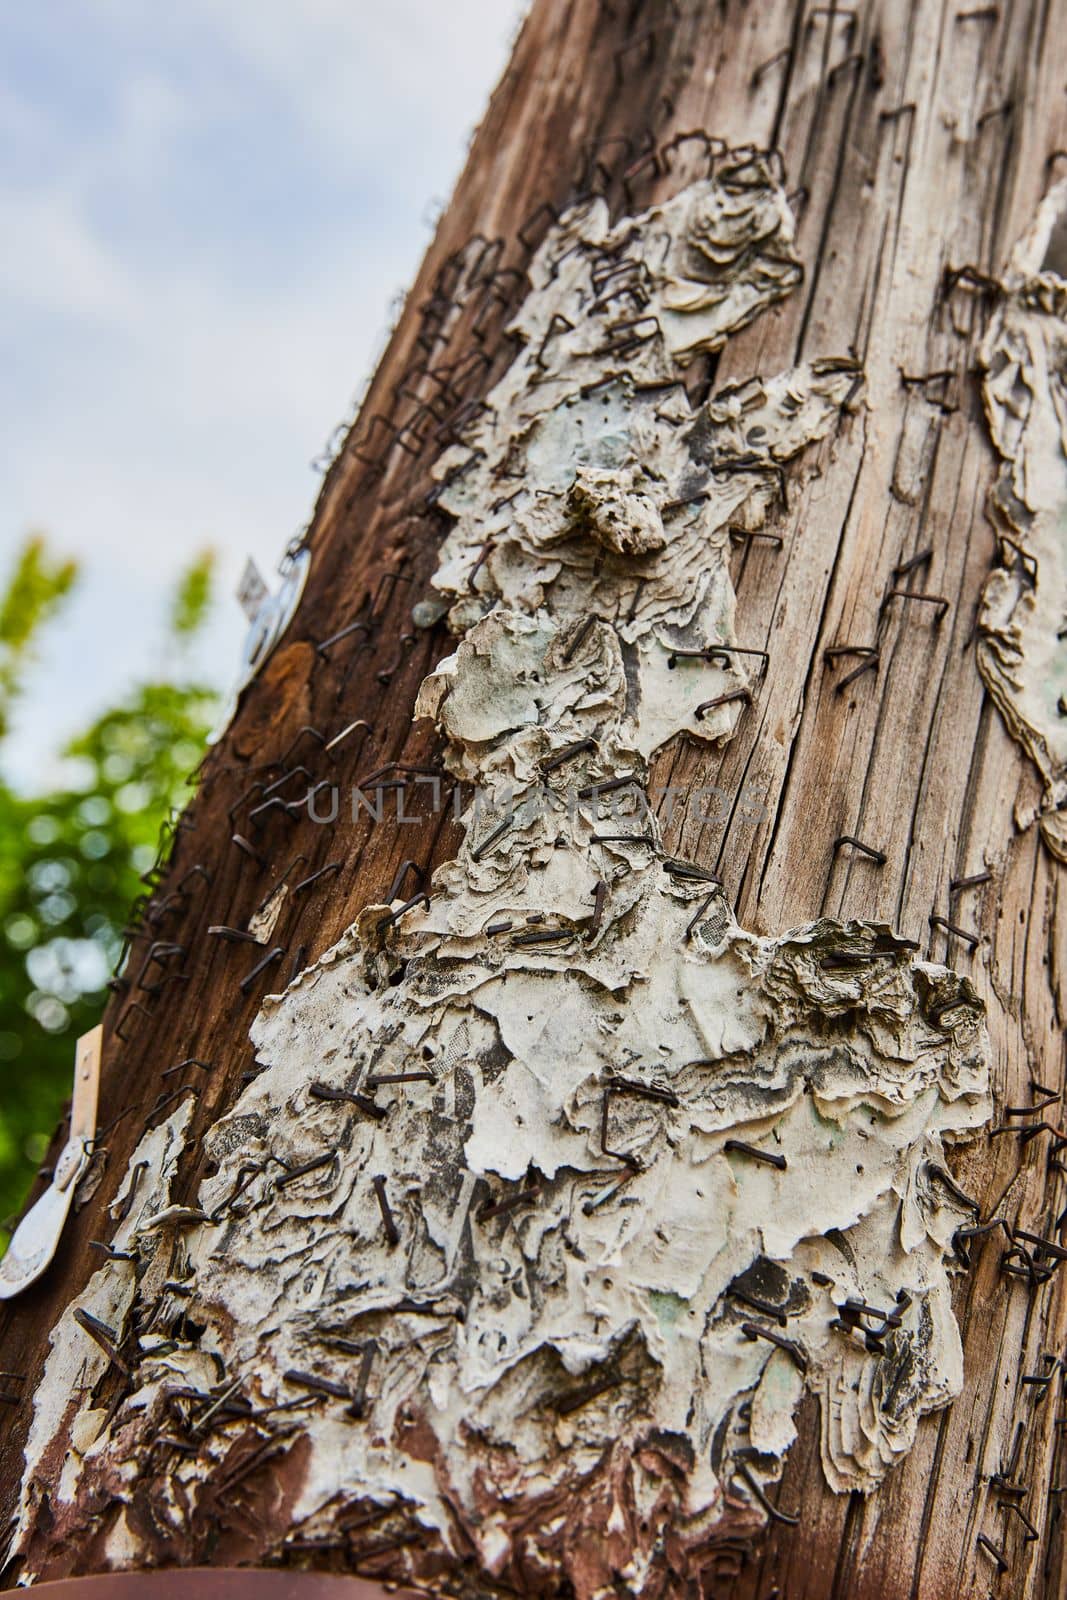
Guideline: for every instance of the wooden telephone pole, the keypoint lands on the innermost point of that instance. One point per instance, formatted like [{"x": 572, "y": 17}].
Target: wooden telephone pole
[{"x": 598, "y": 1216}]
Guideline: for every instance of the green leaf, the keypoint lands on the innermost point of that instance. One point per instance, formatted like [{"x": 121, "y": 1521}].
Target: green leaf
[
  {"x": 35, "y": 589},
  {"x": 192, "y": 597},
  {"x": 70, "y": 869}
]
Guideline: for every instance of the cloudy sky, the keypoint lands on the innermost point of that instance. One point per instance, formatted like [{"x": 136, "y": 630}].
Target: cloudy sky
[{"x": 206, "y": 210}]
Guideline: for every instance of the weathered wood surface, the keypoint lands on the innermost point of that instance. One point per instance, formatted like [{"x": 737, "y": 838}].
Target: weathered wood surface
[{"x": 919, "y": 138}]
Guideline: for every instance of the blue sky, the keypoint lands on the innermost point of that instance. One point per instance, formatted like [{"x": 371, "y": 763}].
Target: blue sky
[{"x": 205, "y": 211}]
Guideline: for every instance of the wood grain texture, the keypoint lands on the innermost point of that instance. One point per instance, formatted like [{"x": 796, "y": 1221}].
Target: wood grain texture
[{"x": 918, "y": 136}]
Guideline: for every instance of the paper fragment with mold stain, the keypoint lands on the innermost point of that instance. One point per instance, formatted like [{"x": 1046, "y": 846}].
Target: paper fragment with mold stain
[
  {"x": 1022, "y": 648},
  {"x": 75, "y": 1364}
]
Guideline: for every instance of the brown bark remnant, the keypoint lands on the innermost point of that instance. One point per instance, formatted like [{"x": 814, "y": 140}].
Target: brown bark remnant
[{"x": 918, "y": 138}]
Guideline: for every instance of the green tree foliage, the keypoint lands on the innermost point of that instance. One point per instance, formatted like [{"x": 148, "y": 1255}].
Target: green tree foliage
[
  {"x": 192, "y": 597},
  {"x": 71, "y": 862},
  {"x": 34, "y": 590}
]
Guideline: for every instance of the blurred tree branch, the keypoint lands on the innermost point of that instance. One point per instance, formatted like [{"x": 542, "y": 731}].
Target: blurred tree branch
[
  {"x": 34, "y": 592},
  {"x": 71, "y": 859}
]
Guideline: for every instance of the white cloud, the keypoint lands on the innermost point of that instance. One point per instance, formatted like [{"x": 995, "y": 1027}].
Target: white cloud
[
  {"x": 53, "y": 261},
  {"x": 369, "y": 78},
  {"x": 206, "y": 210}
]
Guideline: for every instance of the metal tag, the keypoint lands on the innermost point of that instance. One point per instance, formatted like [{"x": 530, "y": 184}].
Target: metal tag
[
  {"x": 34, "y": 1241},
  {"x": 252, "y": 590}
]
